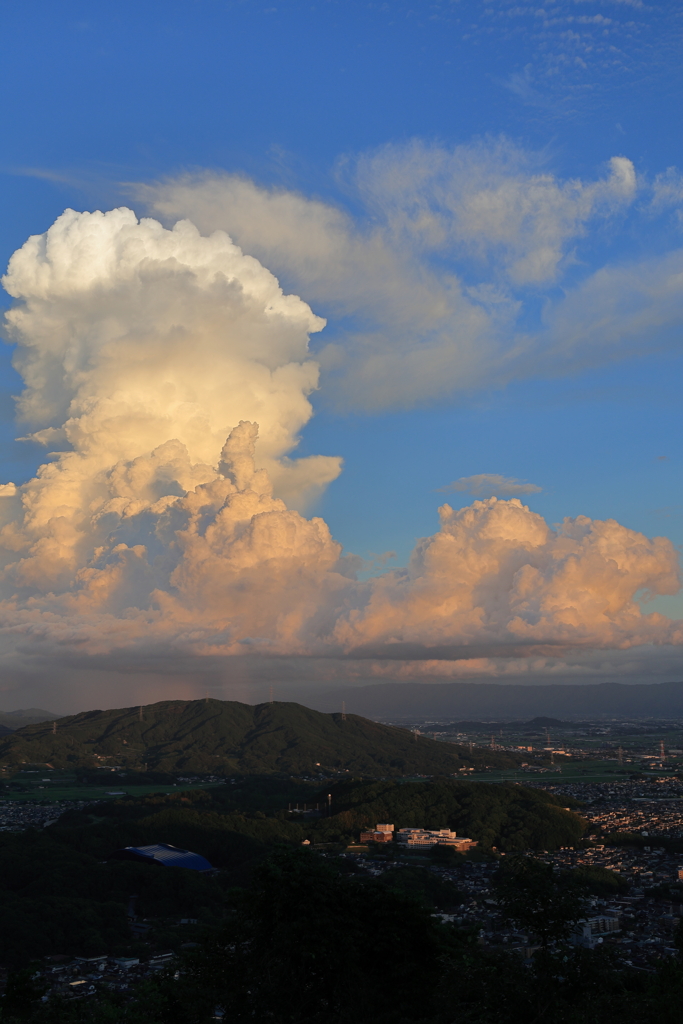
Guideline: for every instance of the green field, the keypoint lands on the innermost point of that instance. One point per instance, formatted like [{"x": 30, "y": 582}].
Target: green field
[
  {"x": 66, "y": 788},
  {"x": 53, "y": 793},
  {"x": 582, "y": 771}
]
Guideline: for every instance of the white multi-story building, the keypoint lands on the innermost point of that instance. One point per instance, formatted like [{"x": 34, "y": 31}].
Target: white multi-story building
[
  {"x": 590, "y": 931},
  {"x": 421, "y": 838}
]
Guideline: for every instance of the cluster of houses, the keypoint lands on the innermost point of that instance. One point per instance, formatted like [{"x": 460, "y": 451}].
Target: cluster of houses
[
  {"x": 639, "y": 923},
  {"x": 652, "y": 805},
  {"x": 17, "y": 816},
  {"x": 82, "y": 976}
]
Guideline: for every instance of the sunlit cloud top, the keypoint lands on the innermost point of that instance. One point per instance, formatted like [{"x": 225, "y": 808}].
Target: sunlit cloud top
[{"x": 170, "y": 374}]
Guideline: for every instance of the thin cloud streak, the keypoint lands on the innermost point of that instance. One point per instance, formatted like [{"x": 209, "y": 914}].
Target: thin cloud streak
[{"x": 486, "y": 485}]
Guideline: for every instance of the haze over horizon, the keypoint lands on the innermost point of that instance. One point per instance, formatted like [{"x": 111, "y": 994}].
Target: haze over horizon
[{"x": 284, "y": 282}]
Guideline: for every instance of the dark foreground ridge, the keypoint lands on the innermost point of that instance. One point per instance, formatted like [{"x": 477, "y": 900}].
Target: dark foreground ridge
[
  {"x": 226, "y": 737},
  {"x": 66, "y": 889}
]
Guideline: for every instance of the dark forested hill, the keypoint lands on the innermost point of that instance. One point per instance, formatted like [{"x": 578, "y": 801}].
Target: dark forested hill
[
  {"x": 218, "y": 822},
  {"x": 229, "y": 737},
  {"x": 60, "y": 892},
  {"x": 510, "y": 817}
]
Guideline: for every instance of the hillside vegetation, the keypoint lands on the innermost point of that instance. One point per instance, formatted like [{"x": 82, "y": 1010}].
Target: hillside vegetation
[
  {"x": 509, "y": 817},
  {"x": 60, "y": 893},
  {"x": 226, "y": 737},
  {"x": 224, "y": 826}
]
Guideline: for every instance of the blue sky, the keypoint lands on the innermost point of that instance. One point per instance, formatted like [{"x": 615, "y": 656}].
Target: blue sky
[{"x": 373, "y": 110}]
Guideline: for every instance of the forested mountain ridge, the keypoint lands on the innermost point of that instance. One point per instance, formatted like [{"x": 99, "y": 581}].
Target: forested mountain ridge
[{"x": 227, "y": 737}]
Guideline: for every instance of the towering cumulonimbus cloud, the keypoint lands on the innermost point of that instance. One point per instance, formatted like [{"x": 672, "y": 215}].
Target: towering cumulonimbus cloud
[
  {"x": 131, "y": 335},
  {"x": 171, "y": 375}
]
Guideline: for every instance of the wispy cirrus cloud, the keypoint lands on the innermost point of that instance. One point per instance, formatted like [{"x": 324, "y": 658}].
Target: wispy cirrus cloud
[
  {"x": 574, "y": 52},
  {"x": 486, "y": 485},
  {"x": 432, "y": 288}
]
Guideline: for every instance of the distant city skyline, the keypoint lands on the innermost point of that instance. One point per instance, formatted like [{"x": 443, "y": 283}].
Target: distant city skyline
[{"x": 323, "y": 271}]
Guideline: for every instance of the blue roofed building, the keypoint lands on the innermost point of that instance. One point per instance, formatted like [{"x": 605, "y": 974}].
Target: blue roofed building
[{"x": 164, "y": 855}]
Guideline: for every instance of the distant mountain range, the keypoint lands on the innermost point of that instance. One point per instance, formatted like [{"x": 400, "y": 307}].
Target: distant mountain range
[
  {"x": 226, "y": 737},
  {"x": 503, "y": 702},
  {"x": 10, "y": 721}
]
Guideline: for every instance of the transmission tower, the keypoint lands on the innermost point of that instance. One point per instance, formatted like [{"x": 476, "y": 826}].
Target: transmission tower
[{"x": 343, "y": 711}]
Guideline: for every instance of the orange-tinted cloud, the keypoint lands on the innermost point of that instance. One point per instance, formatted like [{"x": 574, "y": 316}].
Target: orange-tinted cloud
[{"x": 143, "y": 350}]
